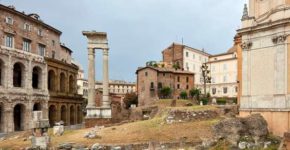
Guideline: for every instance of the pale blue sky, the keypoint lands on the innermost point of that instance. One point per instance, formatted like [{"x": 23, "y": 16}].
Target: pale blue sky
[{"x": 138, "y": 30}]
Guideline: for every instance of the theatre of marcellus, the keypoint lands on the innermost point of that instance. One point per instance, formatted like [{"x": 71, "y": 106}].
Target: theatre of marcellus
[{"x": 36, "y": 73}]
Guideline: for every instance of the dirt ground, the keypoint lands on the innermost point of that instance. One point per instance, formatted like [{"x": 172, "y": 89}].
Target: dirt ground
[{"x": 136, "y": 132}]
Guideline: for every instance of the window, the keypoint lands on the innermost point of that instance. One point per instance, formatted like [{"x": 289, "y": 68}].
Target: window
[
  {"x": 159, "y": 85},
  {"x": 213, "y": 91},
  {"x": 152, "y": 86},
  {"x": 225, "y": 89},
  {"x": 178, "y": 79},
  {"x": 213, "y": 68},
  {"x": 163, "y": 74},
  {"x": 236, "y": 89},
  {"x": 193, "y": 56},
  {"x": 187, "y": 79},
  {"x": 9, "y": 41},
  {"x": 225, "y": 67},
  {"x": 225, "y": 78},
  {"x": 9, "y": 20},
  {"x": 212, "y": 80},
  {"x": 187, "y": 66},
  {"x": 187, "y": 87},
  {"x": 39, "y": 32},
  {"x": 186, "y": 54},
  {"x": 146, "y": 74},
  {"x": 53, "y": 43},
  {"x": 53, "y": 54},
  {"x": 178, "y": 86},
  {"x": 26, "y": 45},
  {"x": 26, "y": 27},
  {"x": 41, "y": 50}
]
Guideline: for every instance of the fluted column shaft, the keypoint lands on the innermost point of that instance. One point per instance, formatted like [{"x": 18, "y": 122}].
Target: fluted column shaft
[
  {"x": 106, "y": 101},
  {"x": 91, "y": 79}
]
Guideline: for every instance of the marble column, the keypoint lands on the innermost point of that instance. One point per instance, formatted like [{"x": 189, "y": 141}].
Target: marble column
[
  {"x": 91, "y": 79},
  {"x": 106, "y": 102}
]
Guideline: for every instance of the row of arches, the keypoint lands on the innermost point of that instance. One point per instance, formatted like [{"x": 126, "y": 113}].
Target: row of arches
[
  {"x": 71, "y": 115},
  {"x": 20, "y": 116},
  {"x": 52, "y": 82},
  {"x": 18, "y": 75}
]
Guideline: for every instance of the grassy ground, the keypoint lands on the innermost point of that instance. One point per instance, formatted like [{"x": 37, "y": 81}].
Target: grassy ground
[{"x": 136, "y": 132}]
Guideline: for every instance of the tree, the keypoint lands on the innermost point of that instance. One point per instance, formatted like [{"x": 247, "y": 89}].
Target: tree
[
  {"x": 183, "y": 95},
  {"x": 205, "y": 76},
  {"x": 195, "y": 93},
  {"x": 176, "y": 66},
  {"x": 129, "y": 99},
  {"x": 165, "y": 92}
]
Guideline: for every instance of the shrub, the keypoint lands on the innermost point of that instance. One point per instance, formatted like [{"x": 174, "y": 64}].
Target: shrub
[
  {"x": 165, "y": 92},
  {"x": 183, "y": 95},
  {"x": 129, "y": 99},
  {"x": 204, "y": 100},
  {"x": 195, "y": 93},
  {"x": 221, "y": 101}
]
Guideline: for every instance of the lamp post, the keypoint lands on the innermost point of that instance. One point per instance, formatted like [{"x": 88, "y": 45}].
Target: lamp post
[{"x": 205, "y": 76}]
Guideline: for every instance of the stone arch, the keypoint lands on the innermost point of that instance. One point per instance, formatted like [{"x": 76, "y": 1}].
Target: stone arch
[
  {"x": 52, "y": 114},
  {"x": 79, "y": 114},
  {"x": 72, "y": 115},
  {"x": 51, "y": 78},
  {"x": 62, "y": 82},
  {"x": 63, "y": 114},
  {"x": 18, "y": 74},
  {"x": 1, "y": 117},
  {"x": 19, "y": 114},
  {"x": 2, "y": 72},
  {"x": 36, "y": 77},
  {"x": 37, "y": 107},
  {"x": 71, "y": 84}
]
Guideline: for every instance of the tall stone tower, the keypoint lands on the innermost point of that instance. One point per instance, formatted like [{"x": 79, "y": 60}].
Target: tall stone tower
[{"x": 266, "y": 62}]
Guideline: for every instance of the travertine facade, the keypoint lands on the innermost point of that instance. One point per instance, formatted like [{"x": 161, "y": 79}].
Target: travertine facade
[
  {"x": 265, "y": 69},
  {"x": 150, "y": 80},
  {"x": 27, "y": 44}
]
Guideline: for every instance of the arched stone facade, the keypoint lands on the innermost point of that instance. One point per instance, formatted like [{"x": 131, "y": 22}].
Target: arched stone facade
[
  {"x": 17, "y": 95},
  {"x": 70, "y": 114}
]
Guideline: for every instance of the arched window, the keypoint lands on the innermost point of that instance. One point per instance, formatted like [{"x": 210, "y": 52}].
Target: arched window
[
  {"x": 62, "y": 82},
  {"x": 18, "y": 72},
  {"x": 51, "y": 80},
  {"x": 36, "y": 78},
  {"x": 1, "y": 72},
  {"x": 37, "y": 107},
  {"x": 71, "y": 84}
]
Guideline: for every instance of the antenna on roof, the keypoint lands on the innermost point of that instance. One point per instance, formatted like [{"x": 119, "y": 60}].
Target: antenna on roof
[{"x": 182, "y": 40}]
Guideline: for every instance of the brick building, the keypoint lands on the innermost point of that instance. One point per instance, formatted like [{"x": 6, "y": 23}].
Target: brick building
[
  {"x": 33, "y": 66},
  {"x": 151, "y": 79}
]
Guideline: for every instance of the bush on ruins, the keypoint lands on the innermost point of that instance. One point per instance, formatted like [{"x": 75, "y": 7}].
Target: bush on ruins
[{"x": 130, "y": 99}]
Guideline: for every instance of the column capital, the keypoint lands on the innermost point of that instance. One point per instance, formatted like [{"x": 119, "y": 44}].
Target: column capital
[
  {"x": 91, "y": 51},
  {"x": 106, "y": 52}
]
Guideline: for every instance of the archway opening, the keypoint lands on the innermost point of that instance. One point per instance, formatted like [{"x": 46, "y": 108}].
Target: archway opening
[
  {"x": 37, "y": 107},
  {"x": 63, "y": 115},
  {"x": 1, "y": 117},
  {"x": 1, "y": 72},
  {"x": 71, "y": 84},
  {"x": 72, "y": 115},
  {"x": 51, "y": 80},
  {"x": 79, "y": 117},
  {"x": 19, "y": 117},
  {"x": 62, "y": 82},
  {"x": 52, "y": 115},
  {"x": 18, "y": 70},
  {"x": 36, "y": 77}
]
